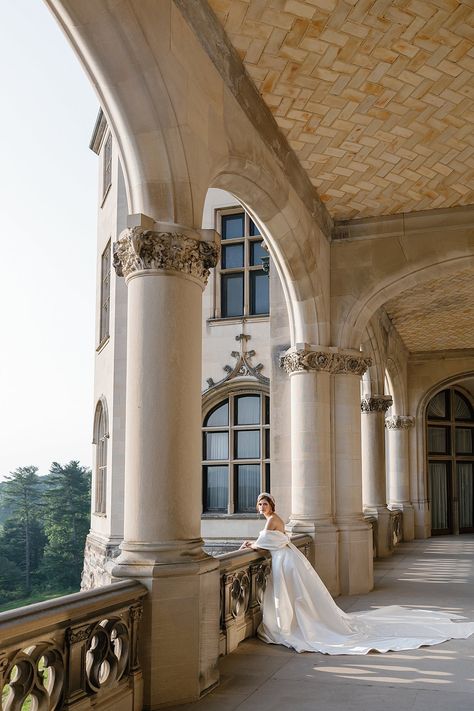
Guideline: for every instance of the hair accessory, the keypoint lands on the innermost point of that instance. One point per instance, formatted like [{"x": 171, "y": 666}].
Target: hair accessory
[{"x": 265, "y": 494}]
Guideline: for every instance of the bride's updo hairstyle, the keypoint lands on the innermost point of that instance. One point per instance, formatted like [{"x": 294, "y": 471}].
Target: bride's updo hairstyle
[{"x": 266, "y": 497}]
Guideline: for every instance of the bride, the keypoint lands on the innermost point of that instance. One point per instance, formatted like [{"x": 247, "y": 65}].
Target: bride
[{"x": 299, "y": 612}]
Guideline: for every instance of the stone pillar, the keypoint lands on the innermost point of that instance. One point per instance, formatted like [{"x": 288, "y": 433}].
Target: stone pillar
[
  {"x": 166, "y": 272},
  {"x": 355, "y": 534},
  {"x": 311, "y": 486},
  {"x": 399, "y": 498},
  {"x": 374, "y": 493}
]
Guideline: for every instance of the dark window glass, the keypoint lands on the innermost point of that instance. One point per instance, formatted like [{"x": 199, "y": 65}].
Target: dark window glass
[
  {"x": 247, "y": 444},
  {"x": 462, "y": 409},
  {"x": 232, "y": 226},
  {"x": 232, "y": 294},
  {"x": 232, "y": 256},
  {"x": 464, "y": 440},
  {"x": 247, "y": 487},
  {"x": 219, "y": 416},
  {"x": 253, "y": 229},
  {"x": 438, "y": 440},
  {"x": 259, "y": 301},
  {"x": 437, "y": 408},
  {"x": 256, "y": 254},
  {"x": 267, "y": 410},
  {"x": 216, "y": 488},
  {"x": 267, "y": 477},
  {"x": 267, "y": 444},
  {"x": 247, "y": 410},
  {"x": 217, "y": 445}
]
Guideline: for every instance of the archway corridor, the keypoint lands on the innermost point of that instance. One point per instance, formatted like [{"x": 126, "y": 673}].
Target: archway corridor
[{"x": 264, "y": 677}]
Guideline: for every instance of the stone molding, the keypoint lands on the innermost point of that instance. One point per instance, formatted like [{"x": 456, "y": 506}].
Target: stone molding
[
  {"x": 377, "y": 403},
  {"x": 242, "y": 368},
  {"x": 325, "y": 361},
  {"x": 399, "y": 422},
  {"x": 139, "y": 249}
]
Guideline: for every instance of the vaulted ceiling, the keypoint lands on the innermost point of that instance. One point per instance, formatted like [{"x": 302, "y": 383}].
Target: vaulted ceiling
[{"x": 376, "y": 97}]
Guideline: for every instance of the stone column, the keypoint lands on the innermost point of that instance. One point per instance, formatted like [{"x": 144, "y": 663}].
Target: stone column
[
  {"x": 399, "y": 498},
  {"x": 311, "y": 486},
  {"x": 166, "y": 272},
  {"x": 355, "y": 534},
  {"x": 374, "y": 489}
]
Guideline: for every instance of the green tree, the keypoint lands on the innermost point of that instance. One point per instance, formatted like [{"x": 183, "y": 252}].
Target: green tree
[
  {"x": 67, "y": 520},
  {"x": 22, "y": 497}
]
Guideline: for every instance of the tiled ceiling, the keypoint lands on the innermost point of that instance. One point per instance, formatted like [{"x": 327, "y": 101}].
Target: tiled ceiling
[
  {"x": 437, "y": 315},
  {"x": 376, "y": 97}
]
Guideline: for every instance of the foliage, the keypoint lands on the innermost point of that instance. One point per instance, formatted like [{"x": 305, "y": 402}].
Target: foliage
[{"x": 45, "y": 523}]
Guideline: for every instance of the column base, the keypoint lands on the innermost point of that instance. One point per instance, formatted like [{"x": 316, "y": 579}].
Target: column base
[
  {"x": 99, "y": 560},
  {"x": 179, "y": 633},
  {"x": 408, "y": 518},
  {"x": 384, "y": 534},
  {"x": 325, "y": 553},
  {"x": 356, "y": 566}
]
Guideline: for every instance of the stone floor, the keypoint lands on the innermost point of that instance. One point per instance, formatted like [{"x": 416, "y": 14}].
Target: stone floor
[{"x": 437, "y": 573}]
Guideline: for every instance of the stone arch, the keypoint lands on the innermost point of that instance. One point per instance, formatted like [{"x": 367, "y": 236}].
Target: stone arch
[
  {"x": 351, "y": 327},
  {"x": 393, "y": 373},
  {"x": 101, "y": 411},
  {"x": 294, "y": 243}
]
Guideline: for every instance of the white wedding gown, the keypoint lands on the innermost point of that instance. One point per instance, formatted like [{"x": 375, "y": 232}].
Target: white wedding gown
[{"x": 299, "y": 612}]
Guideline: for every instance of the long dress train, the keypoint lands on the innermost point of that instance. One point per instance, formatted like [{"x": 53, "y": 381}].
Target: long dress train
[{"x": 299, "y": 612}]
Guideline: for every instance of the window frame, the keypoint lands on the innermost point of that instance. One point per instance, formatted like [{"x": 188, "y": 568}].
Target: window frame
[
  {"x": 101, "y": 435},
  {"x": 105, "y": 283},
  {"x": 232, "y": 461},
  {"x": 107, "y": 166},
  {"x": 247, "y": 240}
]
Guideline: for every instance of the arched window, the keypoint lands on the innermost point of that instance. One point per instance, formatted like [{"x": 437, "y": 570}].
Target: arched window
[
  {"x": 450, "y": 447},
  {"x": 236, "y": 453},
  {"x": 101, "y": 435}
]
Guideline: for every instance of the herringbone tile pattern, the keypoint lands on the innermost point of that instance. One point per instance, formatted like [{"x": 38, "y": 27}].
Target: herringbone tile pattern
[{"x": 374, "y": 96}]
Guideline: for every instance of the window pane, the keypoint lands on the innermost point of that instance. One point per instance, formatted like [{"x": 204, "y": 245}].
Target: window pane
[
  {"x": 232, "y": 292},
  {"x": 232, "y": 256},
  {"x": 256, "y": 253},
  {"x": 437, "y": 406},
  {"x": 464, "y": 440},
  {"x": 217, "y": 445},
  {"x": 267, "y": 444},
  {"x": 247, "y": 410},
  {"x": 438, "y": 440},
  {"x": 462, "y": 410},
  {"x": 247, "y": 444},
  {"x": 247, "y": 486},
  {"x": 253, "y": 228},
  {"x": 232, "y": 226},
  {"x": 259, "y": 301},
  {"x": 217, "y": 488},
  {"x": 219, "y": 417},
  {"x": 439, "y": 495},
  {"x": 466, "y": 494},
  {"x": 267, "y": 410}
]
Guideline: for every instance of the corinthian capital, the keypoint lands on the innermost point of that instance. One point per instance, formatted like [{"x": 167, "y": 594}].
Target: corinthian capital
[
  {"x": 138, "y": 249},
  {"x": 327, "y": 361},
  {"x": 378, "y": 403},
  {"x": 399, "y": 422}
]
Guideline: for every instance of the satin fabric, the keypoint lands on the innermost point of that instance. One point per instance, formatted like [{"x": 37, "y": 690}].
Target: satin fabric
[{"x": 299, "y": 612}]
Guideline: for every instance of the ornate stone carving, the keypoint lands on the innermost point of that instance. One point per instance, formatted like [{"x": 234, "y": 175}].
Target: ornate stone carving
[
  {"x": 139, "y": 249},
  {"x": 136, "y": 612},
  {"x": 98, "y": 562},
  {"x": 240, "y": 593},
  {"x": 242, "y": 368},
  {"x": 377, "y": 403},
  {"x": 399, "y": 422},
  {"x": 335, "y": 363},
  {"x": 78, "y": 634}
]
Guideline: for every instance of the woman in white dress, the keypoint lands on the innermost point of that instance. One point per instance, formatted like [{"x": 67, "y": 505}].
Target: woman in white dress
[{"x": 299, "y": 612}]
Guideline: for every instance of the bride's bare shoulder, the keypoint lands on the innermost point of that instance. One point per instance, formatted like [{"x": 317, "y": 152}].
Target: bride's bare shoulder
[{"x": 275, "y": 523}]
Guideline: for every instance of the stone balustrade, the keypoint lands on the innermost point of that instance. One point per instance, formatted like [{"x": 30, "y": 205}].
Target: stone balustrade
[
  {"x": 76, "y": 652},
  {"x": 243, "y": 580}
]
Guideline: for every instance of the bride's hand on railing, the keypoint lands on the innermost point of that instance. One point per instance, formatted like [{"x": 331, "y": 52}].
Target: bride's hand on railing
[{"x": 246, "y": 544}]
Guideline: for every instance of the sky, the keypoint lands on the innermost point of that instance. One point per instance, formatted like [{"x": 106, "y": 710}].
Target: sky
[{"x": 48, "y": 201}]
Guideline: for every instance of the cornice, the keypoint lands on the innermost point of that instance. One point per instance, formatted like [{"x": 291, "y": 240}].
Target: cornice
[{"x": 98, "y": 133}]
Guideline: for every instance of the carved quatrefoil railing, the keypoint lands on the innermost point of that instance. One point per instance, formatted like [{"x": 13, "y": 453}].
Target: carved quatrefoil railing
[
  {"x": 244, "y": 576},
  {"x": 79, "y": 649}
]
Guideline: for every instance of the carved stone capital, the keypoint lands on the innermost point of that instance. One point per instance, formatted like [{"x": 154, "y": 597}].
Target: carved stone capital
[
  {"x": 326, "y": 361},
  {"x": 377, "y": 403},
  {"x": 138, "y": 249},
  {"x": 399, "y": 422}
]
